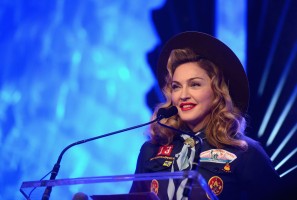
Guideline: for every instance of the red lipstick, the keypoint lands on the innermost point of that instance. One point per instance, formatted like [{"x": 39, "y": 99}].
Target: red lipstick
[{"x": 187, "y": 106}]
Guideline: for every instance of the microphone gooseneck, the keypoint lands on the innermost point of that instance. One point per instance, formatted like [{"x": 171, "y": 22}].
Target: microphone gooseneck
[{"x": 162, "y": 113}]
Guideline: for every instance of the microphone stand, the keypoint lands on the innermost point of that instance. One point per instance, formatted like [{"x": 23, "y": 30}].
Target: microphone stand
[
  {"x": 196, "y": 162},
  {"x": 55, "y": 170}
]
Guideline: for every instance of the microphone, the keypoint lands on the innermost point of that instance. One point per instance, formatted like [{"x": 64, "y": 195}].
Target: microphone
[
  {"x": 166, "y": 112},
  {"x": 162, "y": 113},
  {"x": 80, "y": 196}
]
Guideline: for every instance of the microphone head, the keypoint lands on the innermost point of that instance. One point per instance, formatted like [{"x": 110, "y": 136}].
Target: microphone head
[
  {"x": 166, "y": 112},
  {"x": 80, "y": 196}
]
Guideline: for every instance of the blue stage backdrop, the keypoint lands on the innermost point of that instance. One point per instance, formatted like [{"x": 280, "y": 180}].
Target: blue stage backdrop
[
  {"x": 71, "y": 70},
  {"x": 76, "y": 69}
]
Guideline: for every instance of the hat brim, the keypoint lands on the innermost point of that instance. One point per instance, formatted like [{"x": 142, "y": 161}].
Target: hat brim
[{"x": 217, "y": 52}]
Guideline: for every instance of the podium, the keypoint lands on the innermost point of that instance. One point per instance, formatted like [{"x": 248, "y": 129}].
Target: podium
[
  {"x": 28, "y": 188},
  {"x": 131, "y": 196}
]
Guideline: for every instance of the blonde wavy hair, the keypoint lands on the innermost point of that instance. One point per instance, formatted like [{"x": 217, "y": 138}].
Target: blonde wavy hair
[{"x": 225, "y": 124}]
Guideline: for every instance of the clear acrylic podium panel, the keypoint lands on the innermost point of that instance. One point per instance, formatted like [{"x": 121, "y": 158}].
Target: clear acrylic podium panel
[{"x": 67, "y": 188}]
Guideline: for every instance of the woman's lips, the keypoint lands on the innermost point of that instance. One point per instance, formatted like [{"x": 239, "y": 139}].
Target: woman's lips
[{"x": 186, "y": 106}]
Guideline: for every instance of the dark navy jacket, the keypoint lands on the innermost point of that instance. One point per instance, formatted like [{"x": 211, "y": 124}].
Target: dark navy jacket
[{"x": 231, "y": 173}]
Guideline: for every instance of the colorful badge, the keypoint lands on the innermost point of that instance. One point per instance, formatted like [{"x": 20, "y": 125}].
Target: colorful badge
[
  {"x": 165, "y": 150},
  {"x": 217, "y": 156},
  {"x": 155, "y": 186},
  {"x": 216, "y": 185},
  {"x": 227, "y": 167},
  {"x": 167, "y": 163}
]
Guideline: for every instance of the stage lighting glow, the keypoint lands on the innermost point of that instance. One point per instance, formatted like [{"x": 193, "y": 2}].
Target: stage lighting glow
[
  {"x": 284, "y": 142},
  {"x": 72, "y": 70},
  {"x": 273, "y": 48},
  {"x": 288, "y": 171},
  {"x": 285, "y": 159},
  {"x": 282, "y": 117},
  {"x": 231, "y": 25},
  {"x": 277, "y": 93}
]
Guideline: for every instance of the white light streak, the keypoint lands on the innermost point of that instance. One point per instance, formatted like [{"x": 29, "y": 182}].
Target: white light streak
[
  {"x": 286, "y": 159},
  {"x": 277, "y": 92},
  {"x": 284, "y": 142},
  {"x": 288, "y": 171}
]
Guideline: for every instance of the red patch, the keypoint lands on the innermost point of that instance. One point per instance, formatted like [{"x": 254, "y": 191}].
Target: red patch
[
  {"x": 216, "y": 185},
  {"x": 155, "y": 186},
  {"x": 165, "y": 150}
]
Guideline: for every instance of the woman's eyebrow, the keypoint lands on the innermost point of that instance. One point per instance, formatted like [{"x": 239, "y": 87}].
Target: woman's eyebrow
[
  {"x": 190, "y": 79},
  {"x": 196, "y": 78}
]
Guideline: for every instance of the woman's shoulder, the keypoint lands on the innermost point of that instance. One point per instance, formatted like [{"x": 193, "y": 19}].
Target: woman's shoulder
[
  {"x": 148, "y": 147},
  {"x": 252, "y": 143},
  {"x": 254, "y": 148},
  {"x": 148, "y": 144}
]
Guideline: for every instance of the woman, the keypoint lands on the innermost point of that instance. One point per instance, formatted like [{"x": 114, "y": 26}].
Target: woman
[{"x": 205, "y": 80}]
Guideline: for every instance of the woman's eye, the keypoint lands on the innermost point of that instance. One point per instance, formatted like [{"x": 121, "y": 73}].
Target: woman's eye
[
  {"x": 174, "y": 86},
  {"x": 195, "y": 84}
]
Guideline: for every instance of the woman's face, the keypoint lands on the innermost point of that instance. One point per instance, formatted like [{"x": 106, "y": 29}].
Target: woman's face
[{"x": 192, "y": 94}]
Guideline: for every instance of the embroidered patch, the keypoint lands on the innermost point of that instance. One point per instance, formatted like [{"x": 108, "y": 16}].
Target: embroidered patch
[
  {"x": 227, "y": 168},
  {"x": 167, "y": 163},
  {"x": 216, "y": 185},
  {"x": 155, "y": 186},
  {"x": 217, "y": 156},
  {"x": 165, "y": 150}
]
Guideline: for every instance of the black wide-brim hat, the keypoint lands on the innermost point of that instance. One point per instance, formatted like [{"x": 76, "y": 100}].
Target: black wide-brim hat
[{"x": 216, "y": 51}]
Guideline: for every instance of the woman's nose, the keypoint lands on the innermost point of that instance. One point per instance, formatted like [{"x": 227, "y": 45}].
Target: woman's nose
[
  {"x": 184, "y": 95},
  {"x": 184, "y": 98}
]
